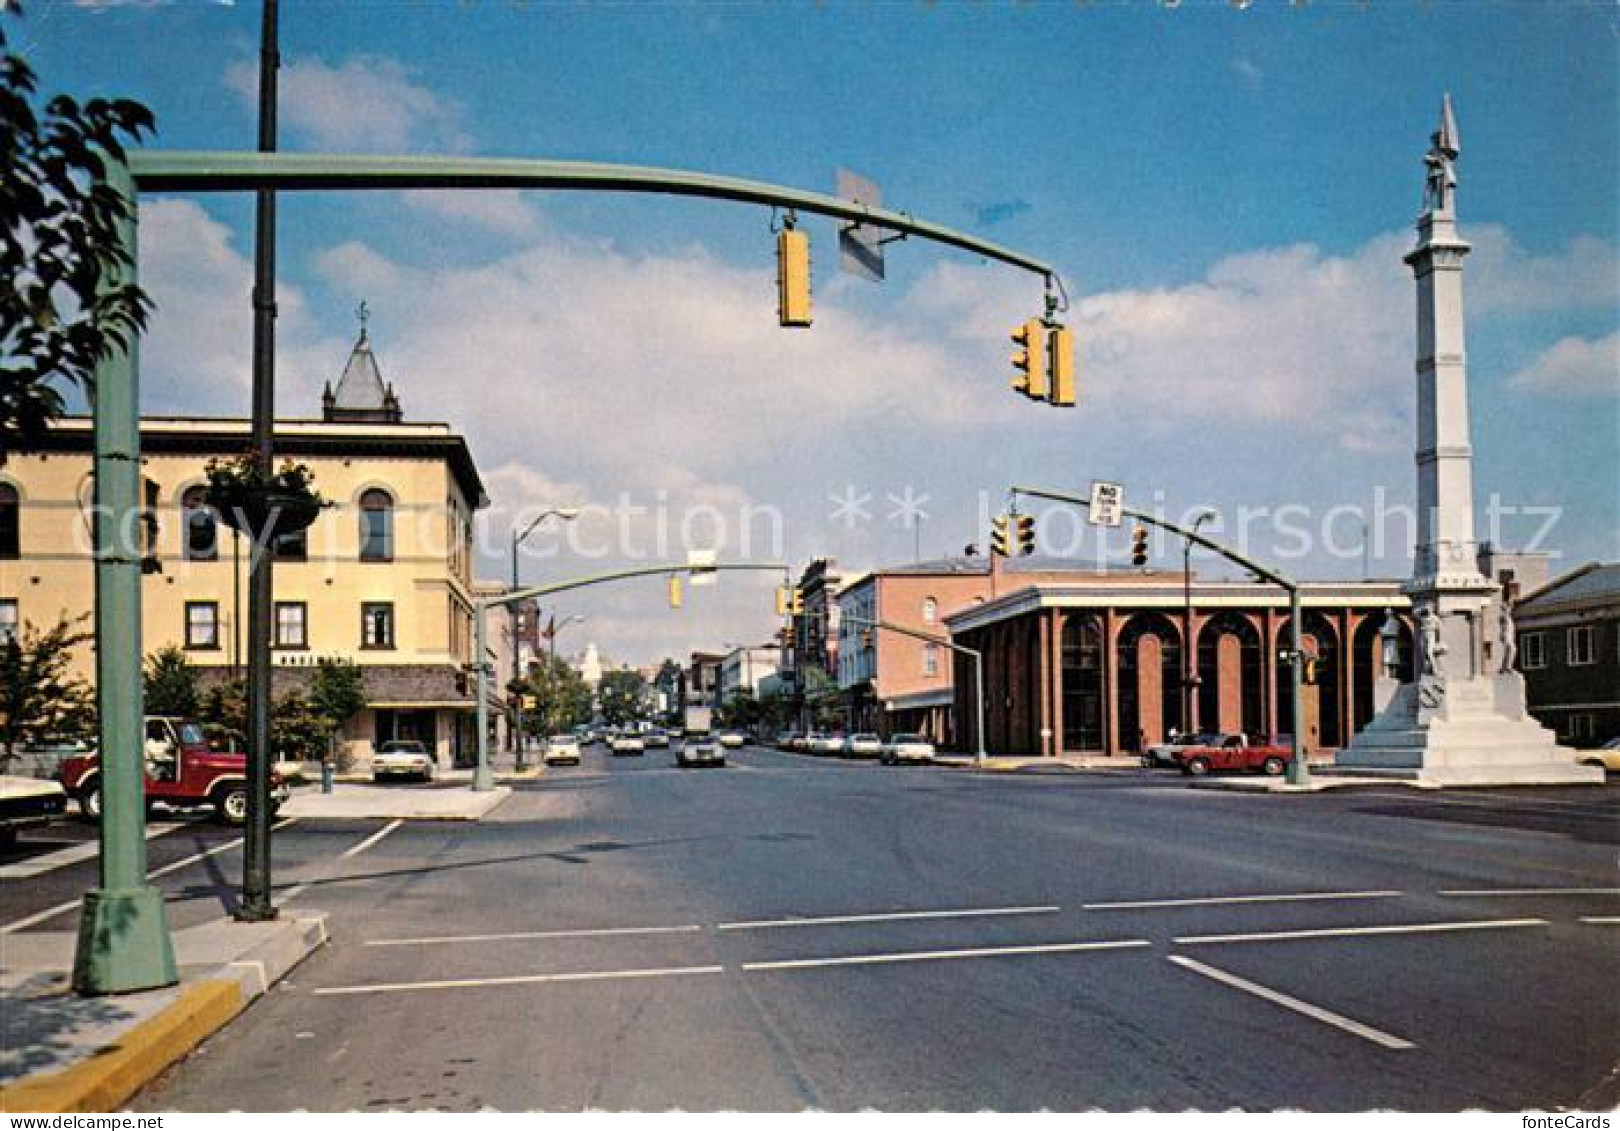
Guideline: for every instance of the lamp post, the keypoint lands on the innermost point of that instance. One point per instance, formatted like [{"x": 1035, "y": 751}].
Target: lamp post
[
  {"x": 1189, "y": 651},
  {"x": 567, "y": 514}
]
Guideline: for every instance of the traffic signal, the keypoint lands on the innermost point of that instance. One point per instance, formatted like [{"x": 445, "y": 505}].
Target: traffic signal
[
  {"x": 998, "y": 536},
  {"x": 796, "y": 603},
  {"x": 1139, "y": 546},
  {"x": 1060, "y": 342},
  {"x": 793, "y": 277},
  {"x": 866, "y": 638},
  {"x": 784, "y": 600},
  {"x": 1025, "y": 524},
  {"x": 675, "y": 591},
  {"x": 1029, "y": 363},
  {"x": 1308, "y": 673}
]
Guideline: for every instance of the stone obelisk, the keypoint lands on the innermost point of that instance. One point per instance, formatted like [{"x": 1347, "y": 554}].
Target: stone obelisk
[{"x": 1463, "y": 720}]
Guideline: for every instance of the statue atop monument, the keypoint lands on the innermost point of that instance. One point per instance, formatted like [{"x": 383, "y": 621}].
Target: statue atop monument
[{"x": 1444, "y": 148}]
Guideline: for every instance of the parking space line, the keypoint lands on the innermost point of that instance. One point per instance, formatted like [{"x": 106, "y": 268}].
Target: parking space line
[
  {"x": 1342, "y": 932},
  {"x": 1316, "y": 1012},
  {"x": 1213, "y": 901},
  {"x": 1535, "y": 891},
  {"x": 372, "y": 839},
  {"x": 519, "y": 980},
  {"x": 1602, "y": 920},
  {"x": 61, "y": 858},
  {"x": 887, "y": 917},
  {"x": 599, "y": 932},
  {"x": 931, "y": 955}
]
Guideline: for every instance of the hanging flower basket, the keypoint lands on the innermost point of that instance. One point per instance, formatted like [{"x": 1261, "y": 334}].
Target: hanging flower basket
[{"x": 263, "y": 506}]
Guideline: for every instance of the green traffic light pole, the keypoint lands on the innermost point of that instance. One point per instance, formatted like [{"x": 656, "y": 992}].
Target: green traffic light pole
[
  {"x": 1299, "y": 770},
  {"x": 978, "y": 664},
  {"x": 483, "y": 779}
]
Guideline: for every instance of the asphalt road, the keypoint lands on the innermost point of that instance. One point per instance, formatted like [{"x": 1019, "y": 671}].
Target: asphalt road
[{"x": 792, "y": 933}]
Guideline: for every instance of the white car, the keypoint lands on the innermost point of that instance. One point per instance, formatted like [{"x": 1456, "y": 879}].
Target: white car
[
  {"x": 1606, "y": 757},
  {"x": 562, "y": 750},
  {"x": 700, "y": 750},
  {"x": 819, "y": 743},
  {"x": 655, "y": 738},
  {"x": 732, "y": 740},
  {"x": 627, "y": 744},
  {"x": 907, "y": 748},
  {"x": 403, "y": 758},
  {"x": 863, "y": 746},
  {"x": 27, "y": 802}
]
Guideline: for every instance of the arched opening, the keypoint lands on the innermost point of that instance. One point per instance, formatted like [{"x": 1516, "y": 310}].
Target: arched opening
[
  {"x": 1321, "y": 701},
  {"x": 1149, "y": 670},
  {"x": 376, "y": 526},
  {"x": 10, "y": 522},
  {"x": 1082, "y": 646},
  {"x": 1366, "y": 658},
  {"x": 199, "y": 526},
  {"x": 1231, "y": 683}
]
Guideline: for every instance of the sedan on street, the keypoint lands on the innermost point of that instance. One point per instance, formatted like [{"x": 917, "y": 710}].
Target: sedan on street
[
  {"x": 907, "y": 748},
  {"x": 733, "y": 740},
  {"x": 562, "y": 750},
  {"x": 403, "y": 758},
  {"x": 863, "y": 746},
  {"x": 627, "y": 744},
  {"x": 699, "y": 750}
]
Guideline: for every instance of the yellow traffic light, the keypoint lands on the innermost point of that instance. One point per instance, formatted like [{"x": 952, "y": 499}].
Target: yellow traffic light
[
  {"x": 1029, "y": 363},
  {"x": 1026, "y": 533},
  {"x": 784, "y": 600},
  {"x": 1139, "y": 546},
  {"x": 999, "y": 535},
  {"x": 675, "y": 595},
  {"x": 1060, "y": 341},
  {"x": 793, "y": 277}
]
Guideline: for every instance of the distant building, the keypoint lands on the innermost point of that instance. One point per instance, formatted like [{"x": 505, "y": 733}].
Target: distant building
[
  {"x": 1569, "y": 652},
  {"x": 702, "y": 682},
  {"x": 746, "y": 669},
  {"x": 1517, "y": 572}
]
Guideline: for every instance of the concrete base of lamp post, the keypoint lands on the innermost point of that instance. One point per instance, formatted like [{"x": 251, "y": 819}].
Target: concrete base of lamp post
[{"x": 124, "y": 943}]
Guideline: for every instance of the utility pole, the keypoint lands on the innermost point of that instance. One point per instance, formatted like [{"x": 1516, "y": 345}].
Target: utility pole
[
  {"x": 1189, "y": 649},
  {"x": 567, "y": 514}
]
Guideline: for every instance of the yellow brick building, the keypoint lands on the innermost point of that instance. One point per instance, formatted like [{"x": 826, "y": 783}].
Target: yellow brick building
[{"x": 383, "y": 577}]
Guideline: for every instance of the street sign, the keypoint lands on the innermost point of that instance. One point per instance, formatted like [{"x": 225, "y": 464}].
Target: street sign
[
  {"x": 1107, "y": 505},
  {"x": 701, "y": 565},
  {"x": 860, "y": 246}
]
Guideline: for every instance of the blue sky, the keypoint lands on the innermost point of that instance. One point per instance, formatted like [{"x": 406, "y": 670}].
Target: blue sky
[{"x": 1227, "y": 192}]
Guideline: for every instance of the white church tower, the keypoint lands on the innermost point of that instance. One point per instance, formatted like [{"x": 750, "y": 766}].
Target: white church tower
[{"x": 1463, "y": 722}]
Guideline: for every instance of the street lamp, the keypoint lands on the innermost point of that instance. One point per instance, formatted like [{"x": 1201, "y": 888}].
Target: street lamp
[
  {"x": 1189, "y": 677},
  {"x": 567, "y": 514}
]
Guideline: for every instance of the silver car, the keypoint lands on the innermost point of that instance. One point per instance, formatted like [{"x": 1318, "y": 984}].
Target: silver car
[
  {"x": 907, "y": 748},
  {"x": 562, "y": 750},
  {"x": 403, "y": 758}
]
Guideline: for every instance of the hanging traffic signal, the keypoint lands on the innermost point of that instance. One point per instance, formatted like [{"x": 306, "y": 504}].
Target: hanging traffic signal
[
  {"x": 1308, "y": 673},
  {"x": 1029, "y": 362},
  {"x": 675, "y": 596},
  {"x": 866, "y": 638},
  {"x": 784, "y": 600},
  {"x": 1025, "y": 524},
  {"x": 796, "y": 602},
  {"x": 1139, "y": 546},
  {"x": 793, "y": 277},
  {"x": 998, "y": 536},
  {"x": 1060, "y": 350}
]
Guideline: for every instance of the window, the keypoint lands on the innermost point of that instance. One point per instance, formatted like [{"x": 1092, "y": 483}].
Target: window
[
  {"x": 1581, "y": 728},
  {"x": 8, "y": 621},
  {"x": 1579, "y": 642},
  {"x": 930, "y": 610},
  {"x": 377, "y": 624},
  {"x": 930, "y": 659},
  {"x": 1532, "y": 651},
  {"x": 200, "y": 524},
  {"x": 376, "y": 526},
  {"x": 293, "y": 547},
  {"x": 10, "y": 522},
  {"x": 292, "y": 624},
  {"x": 202, "y": 624}
]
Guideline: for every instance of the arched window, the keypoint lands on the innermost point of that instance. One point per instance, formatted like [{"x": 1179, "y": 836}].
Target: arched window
[
  {"x": 200, "y": 524},
  {"x": 10, "y": 522},
  {"x": 930, "y": 611},
  {"x": 376, "y": 526}
]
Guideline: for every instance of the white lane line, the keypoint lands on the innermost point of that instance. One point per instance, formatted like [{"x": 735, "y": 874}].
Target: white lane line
[
  {"x": 520, "y": 980},
  {"x": 599, "y": 932},
  {"x": 61, "y": 858},
  {"x": 294, "y": 892},
  {"x": 1341, "y": 932},
  {"x": 930, "y": 955},
  {"x": 1326, "y": 1016},
  {"x": 1218, "y": 900},
  {"x": 887, "y": 917},
  {"x": 60, "y": 908},
  {"x": 1535, "y": 891},
  {"x": 1602, "y": 920}
]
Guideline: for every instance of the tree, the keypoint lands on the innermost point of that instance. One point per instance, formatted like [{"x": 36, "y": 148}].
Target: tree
[
  {"x": 562, "y": 698},
  {"x": 298, "y": 732},
  {"x": 41, "y": 700},
  {"x": 620, "y": 694},
  {"x": 742, "y": 711},
  {"x": 58, "y": 239},
  {"x": 224, "y": 705},
  {"x": 171, "y": 685},
  {"x": 338, "y": 692},
  {"x": 820, "y": 696}
]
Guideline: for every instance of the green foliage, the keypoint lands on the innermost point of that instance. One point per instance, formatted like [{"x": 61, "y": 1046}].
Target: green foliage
[
  {"x": 58, "y": 240},
  {"x": 562, "y": 698},
  {"x": 41, "y": 700},
  {"x": 224, "y": 705},
  {"x": 298, "y": 733},
  {"x": 621, "y": 697},
  {"x": 338, "y": 692},
  {"x": 820, "y": 697},
  {"x": 741, "y": 712},
  {"x": 171, "y": 685}
]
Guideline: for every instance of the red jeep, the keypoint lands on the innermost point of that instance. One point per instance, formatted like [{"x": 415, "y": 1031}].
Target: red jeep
[
  {"x": 181, "y": 772},
  {"x": 1233, "y": 752}
]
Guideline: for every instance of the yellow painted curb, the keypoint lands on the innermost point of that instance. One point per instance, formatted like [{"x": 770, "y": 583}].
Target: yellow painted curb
[{"x": 115, "y": 1073}]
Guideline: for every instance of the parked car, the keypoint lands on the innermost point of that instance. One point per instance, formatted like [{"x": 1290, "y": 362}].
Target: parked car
[
  {"x": 784, "y": 740},
  {"x": 1233, "y": 752},
  {"x": 403, "y": 758},
  {"x": 1164, "y": 753},
  {"x": 181, "y": 772},
  {"x": 1606, "y": 757},
  {"x": 733, "y": 739},
  {"x": 27, "y": 803},
  {"x": 627, "y": 744},
  {"x": 655, "y": 738},
  {"x": 562, "y": 750},
  {"x": 819, "y": 742},
  {"x": 862, "y": 746},
  {"x": 699, "y": 750},
  {"x": 800, "y": 742},
  {"x": 907, "y": 748}
]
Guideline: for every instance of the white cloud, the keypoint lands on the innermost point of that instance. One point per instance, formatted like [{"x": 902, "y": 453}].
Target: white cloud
[
  {"x": 1574, "y": 367},
  {"x": 1504, "y": 277}
]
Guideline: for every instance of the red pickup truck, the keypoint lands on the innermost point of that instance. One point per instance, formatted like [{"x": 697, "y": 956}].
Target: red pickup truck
[
  {"x": 1233, "y": 752},
  {"x": 181, "y": 772}
]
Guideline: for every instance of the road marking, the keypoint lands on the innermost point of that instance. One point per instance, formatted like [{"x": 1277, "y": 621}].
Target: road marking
[
  {"x": 372, "y": 839},
  {"x": 1338, "y": 1021},
  {"x": 60, "y": 908},
  {"x": 520, "y": 980},
  {"x": 599, "y": 932},
  {"x": 887, "y": 917},
  {"x": 62, "y": 857},
  {"x": 1339, "y": 932},
  {"x": 1538, "y": 891},
  {"x": 1602, "y": 920},
  {"x": 929, "y": 955},
  {"x": 1216, "y": 900}
]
